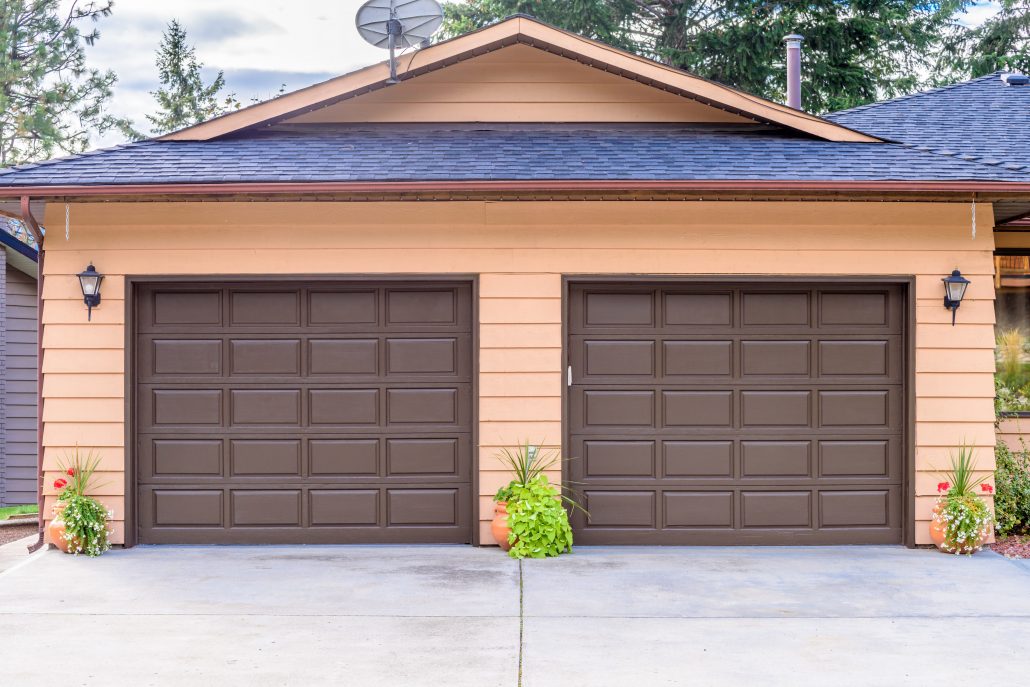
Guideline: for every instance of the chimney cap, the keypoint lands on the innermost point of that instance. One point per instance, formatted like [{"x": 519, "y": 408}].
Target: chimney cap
[{"x": 793, "y": 38}]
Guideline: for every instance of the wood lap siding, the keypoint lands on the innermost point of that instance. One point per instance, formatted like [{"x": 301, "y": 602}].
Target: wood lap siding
[
  {"x": 20, "y": 389},
  {"x": 518, "y": 84},
  {"x": 520, "y": 251}
]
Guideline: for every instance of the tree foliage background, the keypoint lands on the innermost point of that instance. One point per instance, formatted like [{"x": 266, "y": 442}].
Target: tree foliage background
[
  {"x": 50, "y": 100},
  {"x": 1001, "y": 42},
  {"x": 855, "y": 51}
]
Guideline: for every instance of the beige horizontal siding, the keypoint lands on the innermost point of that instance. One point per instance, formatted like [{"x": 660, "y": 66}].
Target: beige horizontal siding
[{"x": 520, "y": 252}]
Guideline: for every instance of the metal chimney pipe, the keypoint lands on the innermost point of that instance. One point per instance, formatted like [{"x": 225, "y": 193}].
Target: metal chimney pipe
[{"x": 793, "y": 42}]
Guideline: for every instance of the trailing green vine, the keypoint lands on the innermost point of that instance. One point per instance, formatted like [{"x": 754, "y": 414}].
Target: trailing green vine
[
  {"x": 85, "y": 525},
  {"x": 539, "y": 525}
]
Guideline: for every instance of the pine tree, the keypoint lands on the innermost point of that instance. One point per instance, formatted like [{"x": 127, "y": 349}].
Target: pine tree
[
  {"x": 183, "y": 99},
  {"x": 855, "y": 51},
  {"x": 50, "y": 101},
  {"x": 1001, "y": 42}
]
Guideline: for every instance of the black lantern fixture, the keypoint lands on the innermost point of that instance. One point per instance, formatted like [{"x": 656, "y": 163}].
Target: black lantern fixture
[
  {"x": 954, "y": 292},
  {"x": 89, "y": 281}
]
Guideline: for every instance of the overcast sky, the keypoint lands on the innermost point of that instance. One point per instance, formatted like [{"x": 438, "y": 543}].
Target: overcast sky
[{"x": 259, "y": 44}]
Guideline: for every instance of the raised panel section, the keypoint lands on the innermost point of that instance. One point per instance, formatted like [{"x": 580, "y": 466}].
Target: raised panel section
[
  {"x": 344, "y": 406},
  {"x": 266, "y": 507},
  {"x": 421, "y": 307},
  {"x": 776, "y": 508},
  {"x": 265, "y": 307},
  {"x": 343, "y": 357},
  {"x": 187, "y": 357},
  {"x": 265, "y": 356},
  {"x": 342, "y": 308},
  {"x": 265, "y": 457},
  {"x": 698, "y": 408},
  {"x": 197, "y": 308},
  {"x": 698, "y": 358},
  {"x": 776, "y": 408},
  {"x": 621, "y": 508},
  {"x": 343, "y": 507},
  {"x": 422, "y": 356},
  {"x": 790, "y": 358},
  {"x": 619, "y": 309},
  {"x": 406, "y": 457},
  {"x": 414, "y": 507},
  {"x": 698, "y": 508},
  {"x": 854, "y": 508},
  {"x": 187, "y": 458},
  {"x": 698, "y": 458},
  {"x": 187, "y": 508},
  {"x": 266, "y": 406},
  {"x": 853, "y": 309},
  {"x": 619, "y": 408},
  {"x": 867, "y": 358},
  {"x": 356, "y": 457},
  {"x": 775, "y": 309},
  {"x": 619, "y": 458},
  {"x": 187, "y": 406},
  {"x": 776, "y": 458},
  {"x": 619, "y": 358},
  {"x": 853, "y": 458},
  {"x": 699, "y": 309},
  {"x": 853, "y": 408},
  {"x": 422, "y": 406}
]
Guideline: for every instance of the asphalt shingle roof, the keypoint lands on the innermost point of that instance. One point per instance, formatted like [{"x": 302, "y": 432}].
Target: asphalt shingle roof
[
  {"x": 502, "y": 152},
  {"x": 983, "y": 120}
]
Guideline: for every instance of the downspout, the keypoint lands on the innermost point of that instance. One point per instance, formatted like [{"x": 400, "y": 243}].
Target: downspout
[{"x": 33, "y": 226}]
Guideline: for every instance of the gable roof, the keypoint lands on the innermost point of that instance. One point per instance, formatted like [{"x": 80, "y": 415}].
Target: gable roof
[
  {"x": 982, "y": 120},
  {"x": 499, "y": 153},
  {"x": 525, "y": 30}
]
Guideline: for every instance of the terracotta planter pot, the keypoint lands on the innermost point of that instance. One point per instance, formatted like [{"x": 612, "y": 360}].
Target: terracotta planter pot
[
  {"x": 56, "y": 531},
  {"x": 499, "y": 527},
  {"x": 937, "y": 532}
]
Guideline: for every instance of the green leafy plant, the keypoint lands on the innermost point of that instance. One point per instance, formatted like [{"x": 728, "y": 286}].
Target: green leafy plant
[
  {"x": 539, "y": 524},
  {"x": 1012, "y": 489},
  {"x": 85, "y": 518},
  {"x": 964, "y": 516},
  {"x": 537, "y": 518},
  {"x": 1008, "y": 399}
]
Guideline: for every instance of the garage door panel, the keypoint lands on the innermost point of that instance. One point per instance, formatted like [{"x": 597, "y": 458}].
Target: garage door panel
[
  {"x": 779, "y": 413},
  {"x": 305, "y": 414}
]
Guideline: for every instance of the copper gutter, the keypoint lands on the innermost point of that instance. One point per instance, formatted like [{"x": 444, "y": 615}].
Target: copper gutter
[
  {"x": 33, "y": 226},
  {"x": 575, "y": 185}
]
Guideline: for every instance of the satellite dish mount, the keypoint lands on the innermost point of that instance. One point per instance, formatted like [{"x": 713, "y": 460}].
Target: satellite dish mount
[{"x": 396, "y": 24}]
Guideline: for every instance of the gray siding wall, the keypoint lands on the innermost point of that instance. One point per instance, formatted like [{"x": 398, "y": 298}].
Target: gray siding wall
[{"x": 19, "y": 389}]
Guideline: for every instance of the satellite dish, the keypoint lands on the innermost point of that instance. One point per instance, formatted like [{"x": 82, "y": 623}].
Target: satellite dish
[{"x": 398, "y": 23}]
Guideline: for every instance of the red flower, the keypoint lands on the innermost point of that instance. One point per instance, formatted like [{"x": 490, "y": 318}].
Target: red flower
[
  {"x": 71, "y": 472},
  {"x": 942, "y": 487},
  {"x": 60, "y": 483},
  {"x": 987, "y": 487}
]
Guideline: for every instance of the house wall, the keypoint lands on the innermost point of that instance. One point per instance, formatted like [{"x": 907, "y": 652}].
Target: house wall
[
  {"x": 18, "y": 388},
  {"x": 520, "y": 250},
  {"x": 518, "y": 84}
]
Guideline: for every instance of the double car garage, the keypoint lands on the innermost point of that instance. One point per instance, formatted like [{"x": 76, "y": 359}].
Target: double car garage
[{"x": 344, "y": 412}]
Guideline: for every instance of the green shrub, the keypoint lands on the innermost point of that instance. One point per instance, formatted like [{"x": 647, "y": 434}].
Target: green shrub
[
  {"x": 1012, "y": 490},
  {"x": 539, "y": 525}
]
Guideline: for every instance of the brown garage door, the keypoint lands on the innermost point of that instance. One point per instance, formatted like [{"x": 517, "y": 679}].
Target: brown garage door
[
  {"x": 318, "y": 413},
  {"x": 737, "y": 413}
]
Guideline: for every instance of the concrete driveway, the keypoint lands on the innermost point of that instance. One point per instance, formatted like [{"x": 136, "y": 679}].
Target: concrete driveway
[{"x": 465, "y": 616}]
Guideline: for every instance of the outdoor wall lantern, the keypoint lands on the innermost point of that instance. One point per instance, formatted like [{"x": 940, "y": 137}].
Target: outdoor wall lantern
[
  {"x": 89, "y": 281},
  {"x": 954, "y": 292}
]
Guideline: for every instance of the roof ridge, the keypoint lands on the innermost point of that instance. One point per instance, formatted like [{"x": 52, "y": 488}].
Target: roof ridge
[
  {"x": 918, "y": 94},
  {"x": 72, "y": 156}
]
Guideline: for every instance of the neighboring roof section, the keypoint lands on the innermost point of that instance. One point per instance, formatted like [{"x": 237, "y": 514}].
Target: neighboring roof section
[
  {"x": 19, "y": 246},
  {"x": 529, "y": 32},
  {"x": 983, "y": 120},
  {"x": 303, "y": 154}
]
